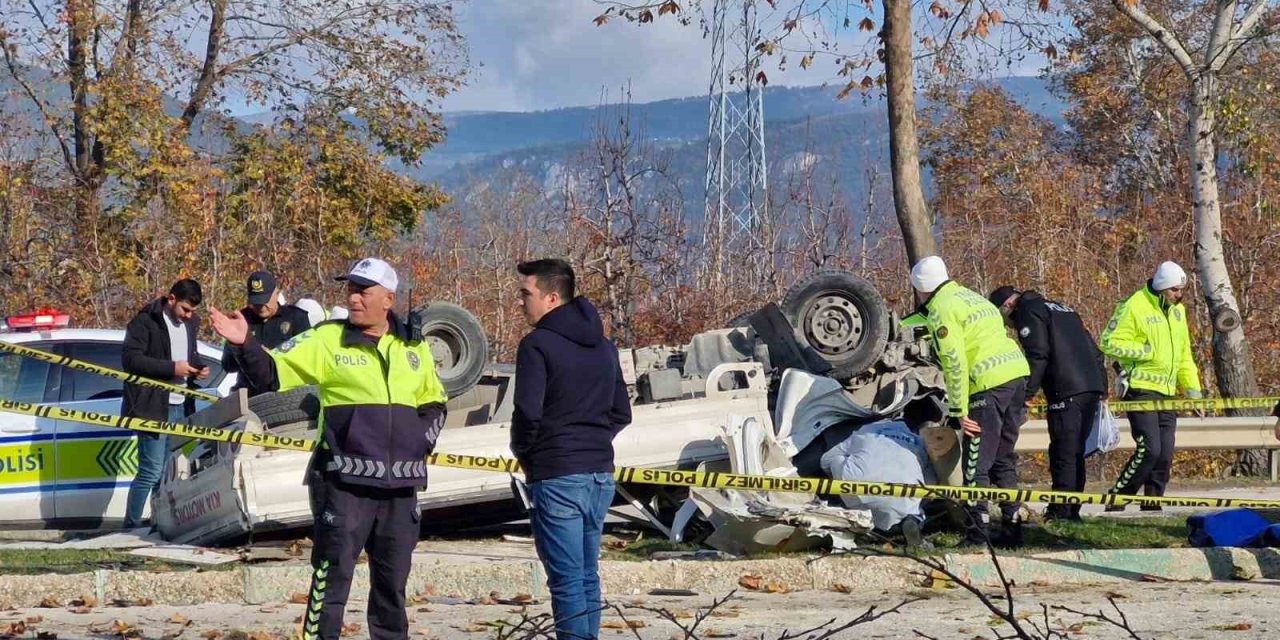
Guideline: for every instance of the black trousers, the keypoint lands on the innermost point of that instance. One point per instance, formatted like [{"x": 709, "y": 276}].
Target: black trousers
[
  {"x": 989, "y": 459},
  {"x": 1153, "y": 432},
  {"x": 1070, "y": 422},
  {"x": 349, "y": 519}
]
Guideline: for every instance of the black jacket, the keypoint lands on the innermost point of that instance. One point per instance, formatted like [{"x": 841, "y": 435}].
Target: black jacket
[
  {"x": 288, "y": 322},
  {"x": 570, "y": 399},
  {"x": 1062, "y": 354},
  {"x": 147, "y": 353}
]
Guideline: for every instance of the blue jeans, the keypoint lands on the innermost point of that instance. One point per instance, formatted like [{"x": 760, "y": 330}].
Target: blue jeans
[
  {"x": 568, "y": 519},
  {"x": 152, "y": 450}
]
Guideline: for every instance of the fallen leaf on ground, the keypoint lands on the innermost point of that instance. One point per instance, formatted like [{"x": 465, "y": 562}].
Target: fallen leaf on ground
[
  {"x": 1116, "y": 595},
  {"x": 716, "y": 633},
  {"x": 298, "y": 598},
  {"x": 723, "y": 613},
  {"x": 178, "y": 618},
  {"x": 80, "y": 610},
  {"x": 682, "y": 614},
  {"x": 422, "y": 632},
  {"x": 212, "y": 634},
  {"x": 424, "y": 609},
  {"x": 14, "y": 629},
  {"x": 1239, "y": 626},
  {"x": 49, "y": 603},
  {"x": 295, "y": 548},
  {"x": 350, "y": 629},
  {"x": 472, "y": 628},
  {"x": 841, "y": 588},
  {"x": 84, "y": 601},
  {"x": 34, "y": 619},
  {"x": 523, "y": 598},
  {"x": 486, "y": 600},
  {"x": 775, "y": 587},
  {"x": 260, "y": 635},
  {"x": 750, "y": 581},
  {"x": 612, "y": 624}
]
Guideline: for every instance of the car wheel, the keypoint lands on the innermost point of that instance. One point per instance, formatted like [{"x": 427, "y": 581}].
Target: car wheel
[
  {"x": 842, "y": 317},
  {"x": 458, "y": 344}
]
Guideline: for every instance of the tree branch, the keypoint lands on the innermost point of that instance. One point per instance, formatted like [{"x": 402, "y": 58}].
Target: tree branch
[
  {"x": 1243, "y": 34},
  {"x": 1223, "y": 17},
  {"x": 208, "y": 71},
  {"x": 49, "y": 121},
  {"x": 1165, "y": 37}
]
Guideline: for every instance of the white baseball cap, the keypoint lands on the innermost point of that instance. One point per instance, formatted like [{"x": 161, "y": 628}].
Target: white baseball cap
[{"x": 371, "y": 271}]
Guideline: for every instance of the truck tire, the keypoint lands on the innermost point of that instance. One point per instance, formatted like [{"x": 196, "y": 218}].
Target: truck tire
[
  {"x": 458, "y": 345},
  {"x": 842, "y": 317},
  {"x": 287, "y": 407}
]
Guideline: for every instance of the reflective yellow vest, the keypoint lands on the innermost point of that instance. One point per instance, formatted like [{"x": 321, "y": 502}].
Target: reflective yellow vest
[
  {"x": 1152, "y": 344},
  {"x": 974, "y": 350}
]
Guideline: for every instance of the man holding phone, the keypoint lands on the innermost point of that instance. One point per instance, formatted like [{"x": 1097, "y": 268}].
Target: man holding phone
[{"x": 160, "y": 343}]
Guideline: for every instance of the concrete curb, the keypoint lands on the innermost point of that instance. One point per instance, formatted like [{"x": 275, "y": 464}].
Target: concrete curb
[{"x": 260, "y": 584}]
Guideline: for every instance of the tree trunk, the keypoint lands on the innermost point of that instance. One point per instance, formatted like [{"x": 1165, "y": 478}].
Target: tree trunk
[
  {"x": 1232, "y": 362},
  {"x": 904, "y": 151}
]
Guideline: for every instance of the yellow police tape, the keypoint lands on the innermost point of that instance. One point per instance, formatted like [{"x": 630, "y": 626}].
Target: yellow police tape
[
  {"x": 65, "y": 361},
  {"x": 665, "y": 477},
  {"x": 1192, "y": 404}
]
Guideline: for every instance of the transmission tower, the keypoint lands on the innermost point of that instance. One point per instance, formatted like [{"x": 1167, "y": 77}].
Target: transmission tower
[{"x": 736, "y": 177}]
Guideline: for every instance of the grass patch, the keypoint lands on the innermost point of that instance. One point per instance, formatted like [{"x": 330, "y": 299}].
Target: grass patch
[
  {"x": 62, "y": 561},
  {"x": 1156, "y": 532}
]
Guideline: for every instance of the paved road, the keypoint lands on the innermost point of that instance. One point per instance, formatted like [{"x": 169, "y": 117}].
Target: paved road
[{"x": 1186, "y": 611}]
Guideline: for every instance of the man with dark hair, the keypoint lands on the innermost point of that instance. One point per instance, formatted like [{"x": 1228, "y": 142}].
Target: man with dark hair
[
  {"x": 551, "y": 275},
  {"x": 1066, "y": 361},
  {"x": 270, "y": 321},
  {"x": 570, "y": 402},
  {"x": 159, "y": 343}
]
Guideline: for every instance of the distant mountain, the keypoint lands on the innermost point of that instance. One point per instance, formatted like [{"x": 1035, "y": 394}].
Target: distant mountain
[{"x": 804, "y": 126}]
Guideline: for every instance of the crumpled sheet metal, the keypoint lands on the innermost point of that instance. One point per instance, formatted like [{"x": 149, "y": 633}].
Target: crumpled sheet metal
[{"x": 748, "y": 522}]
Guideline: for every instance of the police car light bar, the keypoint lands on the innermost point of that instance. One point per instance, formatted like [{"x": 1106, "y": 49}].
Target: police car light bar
[{"x": 41, "y": 319}]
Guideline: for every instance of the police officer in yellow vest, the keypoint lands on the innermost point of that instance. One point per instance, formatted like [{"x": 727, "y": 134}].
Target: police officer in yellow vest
[
  {"x": 1149, "y": 340},
  {"x": 986, "y": 377},
  {"x": 382, "y": 407}
]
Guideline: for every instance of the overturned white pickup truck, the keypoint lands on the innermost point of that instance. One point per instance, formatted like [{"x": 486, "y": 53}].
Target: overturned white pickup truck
[{"x": 833, "y": 324}]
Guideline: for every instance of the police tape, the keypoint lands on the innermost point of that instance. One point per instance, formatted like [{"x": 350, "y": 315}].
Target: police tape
[
  {"x": 1195, "y": 404},
  {"x": 214, "y": 434},
  {"x": 663, "y": 477},
  {"x": 1183, "y": 404},
  {"x": 66, "y": 361}
]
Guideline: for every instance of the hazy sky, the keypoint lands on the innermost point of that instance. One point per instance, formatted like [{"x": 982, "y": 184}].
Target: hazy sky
[{"x": 543, "y": 54}]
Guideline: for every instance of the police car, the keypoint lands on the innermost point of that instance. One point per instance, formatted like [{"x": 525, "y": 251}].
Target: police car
[{"x": 61, "y": 474}]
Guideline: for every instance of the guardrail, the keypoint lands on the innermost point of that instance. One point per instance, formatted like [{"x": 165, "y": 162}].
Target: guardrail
[{"x": 1253, "y": 432}]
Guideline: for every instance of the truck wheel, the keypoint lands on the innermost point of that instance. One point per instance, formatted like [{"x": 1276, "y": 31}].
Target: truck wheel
[
  {"x": 842, "y": 317},
  {"x": 286, "y": 408},
  {"x": 458, "y": 345}
]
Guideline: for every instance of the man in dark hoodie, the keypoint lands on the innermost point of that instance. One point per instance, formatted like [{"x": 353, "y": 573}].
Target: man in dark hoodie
[
  {"x": 159, "y": 343},
  {"x": 570, "y": 401},
  {"x": 1066, "y": 361}
]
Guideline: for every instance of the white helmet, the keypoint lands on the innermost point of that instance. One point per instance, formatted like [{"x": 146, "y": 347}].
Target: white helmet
[
  {"x": 315, "y": 312},
  {"x": 338, "y": 313}
]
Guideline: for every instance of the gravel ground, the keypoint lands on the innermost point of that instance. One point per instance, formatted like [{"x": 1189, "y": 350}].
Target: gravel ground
[{"x": 1186, "y": 611}]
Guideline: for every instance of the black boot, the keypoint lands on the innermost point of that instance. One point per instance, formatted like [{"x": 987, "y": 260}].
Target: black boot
[{"x": 977, "y": 531}]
